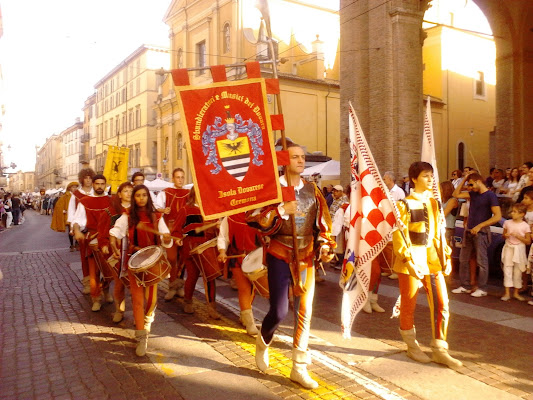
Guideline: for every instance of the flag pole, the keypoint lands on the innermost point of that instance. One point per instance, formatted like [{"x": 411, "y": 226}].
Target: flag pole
[{"x": 294, "y": 266}]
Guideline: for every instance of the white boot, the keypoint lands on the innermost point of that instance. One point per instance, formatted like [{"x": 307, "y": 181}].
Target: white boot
[
  {"x": 173, "y": 289},
  {"x": 374, "y": 303},
  {"x": 441, "y": 356},
  {"x": 261, "y": 353},
  {"x": 212, "y": 310},
  {"x": 180, "y": 288},
  {"x": 367, "y": 307},
  {"x": 248, "y": 320},
  {"x": 142, "y": 342},
  {"x": 97, "y": 305},
  {"x": 148, "y": 319},
  {"x": 413, "y": 349},
  {"x": 86, "y": 285},
  {"x": 299, "y": 372},
  {"x": 108, "y": 298}
]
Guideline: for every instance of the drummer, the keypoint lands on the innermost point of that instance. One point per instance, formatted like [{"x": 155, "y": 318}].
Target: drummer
[
  {"x": 120, "y": 204},
  {"x": 169, "y": 201},
  {"x": 194, "y": 231},
  {"x": 235, "y": 238},
  {"x": 86, "y": 217},
  {"x": 141, "y": 215}
]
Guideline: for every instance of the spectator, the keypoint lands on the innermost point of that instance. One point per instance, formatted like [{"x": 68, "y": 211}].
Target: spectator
[
  {"x": 517, "y": 234},
  {"x": 527, "y": 187},
  {"x": 456, "y": 177},
  {"x": 450, "y": 206},
  {"x": 339, "y": 198},
  {"x": 7, "y": 209},
  {"x": 498, "y": 180},
  {"x": 484, "y": 212},
  {"x": 524, "y": 178},
  {"x": 510, "y": 185},
  {"x": 15, "y": 208},
  {"x": 490, "y": 179}
]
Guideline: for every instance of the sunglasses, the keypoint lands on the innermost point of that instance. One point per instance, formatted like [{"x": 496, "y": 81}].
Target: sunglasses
[{"x": 470, "y": 184}]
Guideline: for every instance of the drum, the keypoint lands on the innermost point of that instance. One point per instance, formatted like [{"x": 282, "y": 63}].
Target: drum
[
  {"x": 149, "y": 265},
  {"x": 115, "y": 265},
  {"x": 253, "y": 268},
  {"x": 204, "y": 256},
  {"x": 101, "y": 262}
]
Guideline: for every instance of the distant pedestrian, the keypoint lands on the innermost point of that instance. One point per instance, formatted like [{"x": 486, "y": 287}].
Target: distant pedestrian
[
  {"x": 517, "y": 234},
  {"x": 15, "y": 208},
  {"x": 7, "y": 209}
]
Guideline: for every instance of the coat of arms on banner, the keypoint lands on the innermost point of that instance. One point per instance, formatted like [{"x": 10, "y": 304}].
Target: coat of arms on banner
[
  {"x": 230, "y": 147},
  {"x": 237, "y": 142}
]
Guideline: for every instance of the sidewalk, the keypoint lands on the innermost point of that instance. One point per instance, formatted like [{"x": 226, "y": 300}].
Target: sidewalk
[{"x": 53, "y": 346}]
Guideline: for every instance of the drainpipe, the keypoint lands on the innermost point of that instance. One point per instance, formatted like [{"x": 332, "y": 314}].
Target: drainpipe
[{"x": 326, "y": 98}]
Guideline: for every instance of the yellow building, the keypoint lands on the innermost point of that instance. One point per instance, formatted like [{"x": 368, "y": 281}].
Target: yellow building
[
  {"x": 22, "y": 182},
  {"x": 209, "y": 32},
  {"x": 49, "y": 164},
  {"x": 460, "y": 76},
  {"x": 124, "y": 114}
]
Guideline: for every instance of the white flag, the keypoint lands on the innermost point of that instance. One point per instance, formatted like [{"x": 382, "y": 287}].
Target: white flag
[
  {"x": 428, "y": 150},
  {"x": 373, "y": 215}
]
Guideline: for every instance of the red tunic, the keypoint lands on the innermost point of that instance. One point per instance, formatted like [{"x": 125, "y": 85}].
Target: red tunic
[
  {"x": 175, "y": 200},
  {"x": 242, "y": 237},
  {"x": 94, "y": 209}
]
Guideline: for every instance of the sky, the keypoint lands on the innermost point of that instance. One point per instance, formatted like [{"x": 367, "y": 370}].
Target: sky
[{"x": 54, "y": 52}]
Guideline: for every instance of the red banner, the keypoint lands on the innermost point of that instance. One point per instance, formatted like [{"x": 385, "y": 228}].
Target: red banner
[{"x": 231, "y": 151}]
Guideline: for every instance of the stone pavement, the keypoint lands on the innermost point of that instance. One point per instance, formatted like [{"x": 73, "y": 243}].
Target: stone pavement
[{"x": 53, "y": 346}]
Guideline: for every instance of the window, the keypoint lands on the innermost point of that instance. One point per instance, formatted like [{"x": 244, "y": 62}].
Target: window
[
  {"x": 154, "y": 154},
  {"x": 479, "y": 86},
  {"x": 111, "y": 103},
  {"x": 227, "y": 38},
  {"x": 180, "y": 145},
  {"x": 124, "y": 98},
  {"x": 105, "y": 130},
  {"x": 179, "y": 63},
  {"x": 461, "y": 156},
  {"x": 201, "y": 56},
  {"x": 137, "y": 155},
  {"x": 138, "y": 117},
  {"x": 130, "y": 158},
  {"x": 117, "y": 125},
  {"x": 117, "y": 98},
  {"x": 131, "y": 89},
  {"x": 124, "y": 127},
  {"x": 138, "y": 84}
]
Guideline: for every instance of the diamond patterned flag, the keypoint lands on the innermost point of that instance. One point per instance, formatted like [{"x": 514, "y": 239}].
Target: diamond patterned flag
[{"x": 373, "y": 215}]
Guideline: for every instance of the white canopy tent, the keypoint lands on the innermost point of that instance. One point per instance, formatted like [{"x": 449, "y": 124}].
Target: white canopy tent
[
  {"x": 329, "y": 170},
  {"x": 157, "y": 185}
]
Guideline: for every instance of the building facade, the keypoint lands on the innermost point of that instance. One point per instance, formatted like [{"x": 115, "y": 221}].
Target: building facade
[
  {"x": 22, "y": 182},
  {"x": 72, "y": 139},
  {"x": 208, "y": 32},
  {"x": 49, "y": 164},
  {"x": 88, "y": 140},
  {"x": 124, "y": 114}
]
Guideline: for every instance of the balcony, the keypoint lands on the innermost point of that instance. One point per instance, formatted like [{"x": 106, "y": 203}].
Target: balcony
[
  {"x": 85, "y": 137},
  {"x": 84, "y": 158}
]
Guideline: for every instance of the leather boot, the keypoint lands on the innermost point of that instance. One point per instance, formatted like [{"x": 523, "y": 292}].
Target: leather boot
[
  {"x": 368, "y": 307},
  {"x": 86, "y": 285},
  {"x": 374, "y": 303},
  {"x": 441, "y": 356},
  {"x": 413, "y": 349},
  {"x": 141, "y": 335},
  {"x": 261, "y": 353},
  {"x": 248, "y": 320},
  {"x": 172, "y": 289},
  {"x": 188, "y": 308},
  {"x": 299, "y": 372},
  {"x": 148, "y": 319},
  {"x": 108, "y": 298},
  {"x": 97, "y": 305},
  {"x": 180, "y": 288},
  {"x": 212, "y": 310}
]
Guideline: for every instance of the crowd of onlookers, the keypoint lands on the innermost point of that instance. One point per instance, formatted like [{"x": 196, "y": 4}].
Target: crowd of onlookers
[{"x": 13, "y": 205}]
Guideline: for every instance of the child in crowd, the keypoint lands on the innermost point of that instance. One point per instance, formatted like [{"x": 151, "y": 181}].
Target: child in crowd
[
  {"x": 517, "y": 234},
  {"x": 528, "y": 202}
]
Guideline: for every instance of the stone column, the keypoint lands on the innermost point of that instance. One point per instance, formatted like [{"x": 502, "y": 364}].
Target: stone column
[{"x": 381, "y": 74}]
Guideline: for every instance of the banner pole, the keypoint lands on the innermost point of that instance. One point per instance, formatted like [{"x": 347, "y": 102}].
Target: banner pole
[{"x": 294, "y": 267}]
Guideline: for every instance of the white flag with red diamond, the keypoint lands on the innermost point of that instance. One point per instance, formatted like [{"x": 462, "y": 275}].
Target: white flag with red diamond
[{"x": 372, "y": 218}]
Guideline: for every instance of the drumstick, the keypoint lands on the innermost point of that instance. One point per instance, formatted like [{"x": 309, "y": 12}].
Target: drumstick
[
  {"x": 205, "y": 227},
  {"x": 142, "y": 227},
  {"x": 236, "y": 256}
]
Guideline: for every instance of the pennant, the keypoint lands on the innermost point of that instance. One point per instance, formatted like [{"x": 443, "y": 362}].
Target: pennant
[
  {"x": 230, "y": 146},
  {"x": 116, "y": 166},
  {"x": 373, "y": 215}
]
